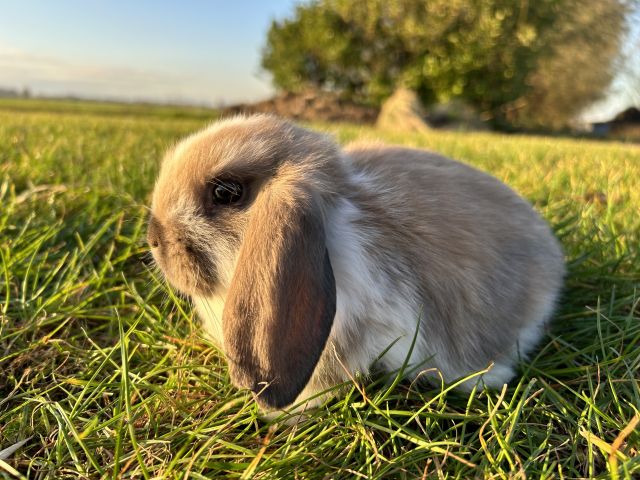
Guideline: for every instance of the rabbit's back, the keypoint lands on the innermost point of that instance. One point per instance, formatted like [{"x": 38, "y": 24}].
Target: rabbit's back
[{"x": 488, "y": 267}]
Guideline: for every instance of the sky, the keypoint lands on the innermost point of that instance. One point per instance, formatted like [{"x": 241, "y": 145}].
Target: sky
[
  {"x": 190, "y": 51},
  {"x": 193, "y": 51}
]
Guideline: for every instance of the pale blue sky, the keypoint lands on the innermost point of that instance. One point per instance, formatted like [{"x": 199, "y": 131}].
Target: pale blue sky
[
  {"x": 194, "y": 51},
  {"x": 197, "y": 50}
]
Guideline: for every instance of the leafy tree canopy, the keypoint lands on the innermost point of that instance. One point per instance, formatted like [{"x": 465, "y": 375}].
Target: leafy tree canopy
[{"x": 534, "y": 63}]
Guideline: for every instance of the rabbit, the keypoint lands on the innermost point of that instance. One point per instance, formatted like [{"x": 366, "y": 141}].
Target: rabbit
[{"x": 307, "y": 263}]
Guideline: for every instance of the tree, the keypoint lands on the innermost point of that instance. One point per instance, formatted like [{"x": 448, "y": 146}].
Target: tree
[{"x": 525, "y": 62}]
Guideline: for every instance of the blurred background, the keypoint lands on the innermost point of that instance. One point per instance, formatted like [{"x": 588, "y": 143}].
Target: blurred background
[{"x": 511, "y": 65}]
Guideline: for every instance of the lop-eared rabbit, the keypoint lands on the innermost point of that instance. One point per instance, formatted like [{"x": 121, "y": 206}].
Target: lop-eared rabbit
[{"x": 306, "y": 261}]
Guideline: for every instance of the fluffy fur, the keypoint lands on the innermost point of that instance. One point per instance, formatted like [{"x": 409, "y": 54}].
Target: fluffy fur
[{"x": 334, "y": 255}]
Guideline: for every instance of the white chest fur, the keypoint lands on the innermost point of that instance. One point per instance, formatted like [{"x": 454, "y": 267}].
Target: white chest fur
[{"x": 210, "y": 312}]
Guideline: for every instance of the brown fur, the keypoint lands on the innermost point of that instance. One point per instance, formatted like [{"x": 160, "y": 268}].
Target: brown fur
[{"x": 280, "y": 307}]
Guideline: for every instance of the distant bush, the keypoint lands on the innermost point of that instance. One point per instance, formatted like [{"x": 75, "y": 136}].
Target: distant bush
[{"x": 519, "y": 63}]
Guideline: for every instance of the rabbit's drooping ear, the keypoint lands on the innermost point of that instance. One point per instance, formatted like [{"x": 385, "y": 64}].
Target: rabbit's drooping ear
[{"x": 282, "y": 299}]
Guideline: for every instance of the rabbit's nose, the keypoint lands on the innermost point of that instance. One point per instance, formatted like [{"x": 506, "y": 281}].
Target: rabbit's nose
[{"x": 154, "y": 232}]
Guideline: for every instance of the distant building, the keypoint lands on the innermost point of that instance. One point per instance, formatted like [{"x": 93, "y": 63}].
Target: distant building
[
  {"x": 601, "y": 129},
  {"x": 625, "y": 124},
  {"x": 630, "y": 115}
]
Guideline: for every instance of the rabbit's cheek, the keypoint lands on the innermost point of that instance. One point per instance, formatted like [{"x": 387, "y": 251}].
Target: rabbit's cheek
[{"x": 187, "y": 268}]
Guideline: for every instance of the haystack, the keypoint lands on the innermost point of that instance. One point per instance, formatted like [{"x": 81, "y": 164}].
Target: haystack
[{"x": 402, "y": 112}]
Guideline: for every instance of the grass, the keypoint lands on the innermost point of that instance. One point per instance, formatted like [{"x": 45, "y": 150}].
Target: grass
[
  {"x": 103, "y": 372},
  {"x": 90, "y": 107}
]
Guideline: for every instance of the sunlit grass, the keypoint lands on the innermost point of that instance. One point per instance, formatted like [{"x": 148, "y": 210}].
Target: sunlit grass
[{"x": 103, "y": 371}]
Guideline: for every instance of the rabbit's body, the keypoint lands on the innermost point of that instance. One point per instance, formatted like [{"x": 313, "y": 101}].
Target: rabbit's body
[{"x": 410, "y": 238}]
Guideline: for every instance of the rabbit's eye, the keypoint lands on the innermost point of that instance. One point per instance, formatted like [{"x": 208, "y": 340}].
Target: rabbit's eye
[{"x": 226, "y": 192}]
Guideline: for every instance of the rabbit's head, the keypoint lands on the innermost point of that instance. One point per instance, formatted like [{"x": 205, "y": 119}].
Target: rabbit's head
[{"x": 239, "y": 209}]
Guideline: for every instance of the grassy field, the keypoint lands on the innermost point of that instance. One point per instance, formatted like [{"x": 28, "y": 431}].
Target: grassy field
[{"x": 103, "y": 373}]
